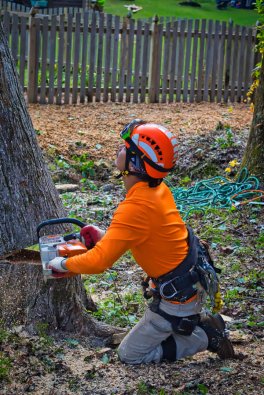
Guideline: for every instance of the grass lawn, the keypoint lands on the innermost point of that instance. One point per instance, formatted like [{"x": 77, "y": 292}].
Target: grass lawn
[{"x": 171, "y": 8}]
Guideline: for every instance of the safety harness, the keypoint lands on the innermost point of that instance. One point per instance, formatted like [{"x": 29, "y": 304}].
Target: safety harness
[{"x": 196, "y": 271}]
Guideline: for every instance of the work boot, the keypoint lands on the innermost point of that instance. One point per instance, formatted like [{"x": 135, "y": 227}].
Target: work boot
[{"x": 215, "y": 329}]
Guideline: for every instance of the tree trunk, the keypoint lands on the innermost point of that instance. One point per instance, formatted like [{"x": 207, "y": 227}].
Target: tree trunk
[
  {"x": 62, "y": 304},
  {"x": 27, "y": 193},
  {"x": 254, "y": 154},
  {"x": 28, "y": 196}
]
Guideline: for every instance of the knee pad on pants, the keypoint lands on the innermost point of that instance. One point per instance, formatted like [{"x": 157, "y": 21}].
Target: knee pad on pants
[{"x": 169, "y": 348}]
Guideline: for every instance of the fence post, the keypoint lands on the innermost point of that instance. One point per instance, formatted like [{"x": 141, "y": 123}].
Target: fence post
[
  {"x": 32, "y": 61},
  {"x": 153, "y": 63}
]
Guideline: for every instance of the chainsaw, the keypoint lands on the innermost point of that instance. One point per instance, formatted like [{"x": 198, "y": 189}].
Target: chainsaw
[{"x": 52, "y": 246}]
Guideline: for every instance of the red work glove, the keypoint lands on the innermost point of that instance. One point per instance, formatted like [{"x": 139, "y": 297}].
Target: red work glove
[{"x": 90, "y": 235}]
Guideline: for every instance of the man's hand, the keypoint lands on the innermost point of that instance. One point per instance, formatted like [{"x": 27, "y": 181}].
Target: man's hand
[
  {"x": 90, "y": 235},
  {"x": 58, "y": 264}
]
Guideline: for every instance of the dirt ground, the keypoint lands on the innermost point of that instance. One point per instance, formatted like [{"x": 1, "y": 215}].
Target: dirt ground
[
  {"x": 68, "y": 364},
  {"x": 94, "y": 128}
]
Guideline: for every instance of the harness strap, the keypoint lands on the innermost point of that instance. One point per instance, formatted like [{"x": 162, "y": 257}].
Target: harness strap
[
  {"x": 186, "y": 264},
  {"x": 178, "y": 283},
  {"x": 181, "y": 325}
]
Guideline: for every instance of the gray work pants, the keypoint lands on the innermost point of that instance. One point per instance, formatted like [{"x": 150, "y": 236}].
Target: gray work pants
[{"x": 143, "y": 343}]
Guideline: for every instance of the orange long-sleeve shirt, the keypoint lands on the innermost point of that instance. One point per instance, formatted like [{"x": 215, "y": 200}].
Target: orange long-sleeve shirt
[{"x": 148, "y": 223}]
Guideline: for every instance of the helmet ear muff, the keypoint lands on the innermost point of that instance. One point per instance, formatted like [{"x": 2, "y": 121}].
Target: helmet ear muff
[
  {"x": 143, "y": 157},
  {"x": 136, "y": 162}
]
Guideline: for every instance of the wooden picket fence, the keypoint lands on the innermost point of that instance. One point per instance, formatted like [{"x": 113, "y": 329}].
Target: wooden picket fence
[{"x": 96, "y": 57}]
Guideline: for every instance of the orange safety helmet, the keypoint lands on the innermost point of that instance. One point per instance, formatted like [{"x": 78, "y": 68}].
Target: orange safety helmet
[{"x": 153, "y": 144}]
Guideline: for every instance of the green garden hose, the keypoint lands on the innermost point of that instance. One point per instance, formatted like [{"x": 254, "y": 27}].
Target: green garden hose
[{"x": 218, "y": 192}]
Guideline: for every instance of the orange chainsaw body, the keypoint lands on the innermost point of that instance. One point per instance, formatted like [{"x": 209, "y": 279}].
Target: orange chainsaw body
[
  {"x": 71, "y": 248},
  {"x": 68, "y": 249},
  {"x": 52, "y": 246}
]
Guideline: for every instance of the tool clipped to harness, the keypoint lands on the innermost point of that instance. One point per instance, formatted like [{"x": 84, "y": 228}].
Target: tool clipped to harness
[
  {"x": 52, "y": 246},
  {"x": 207, "y": 272}
]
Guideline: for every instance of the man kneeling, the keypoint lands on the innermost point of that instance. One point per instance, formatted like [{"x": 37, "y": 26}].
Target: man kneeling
[{"x": 148, "y": 223}]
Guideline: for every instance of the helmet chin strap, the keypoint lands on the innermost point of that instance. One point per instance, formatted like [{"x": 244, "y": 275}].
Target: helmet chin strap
[
  {"x": 128, "y": 172},
  {"x": 122, "y": 174}
]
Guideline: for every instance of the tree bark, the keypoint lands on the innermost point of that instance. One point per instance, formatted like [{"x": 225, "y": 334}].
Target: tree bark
[
  {"x": 254, "y": 154},
  {"x": 27, "y": 299},
  {"x": 27, "y": 193},
  {"x": 28, "y": 196}
]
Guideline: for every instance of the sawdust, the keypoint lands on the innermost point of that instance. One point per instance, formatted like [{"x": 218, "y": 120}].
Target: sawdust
[
  {"x": 94, "y": 128},
  {"x": 23, "y": 256}
]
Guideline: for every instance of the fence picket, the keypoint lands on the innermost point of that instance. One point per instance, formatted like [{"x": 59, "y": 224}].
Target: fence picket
[
  {"x": 194, "y": 60},
  {"x": 208, "y": 60},
  {"x": 221, "y": 62},
  {"x": 122, "y": 60},
  {"x": 173, "y": 49},
  {"x": 228, "y": 62},
  {"x": 99, "y": 58},
  {"x": 108, "y": 44},
  {"x": 200, "y": 62},
  {"x": 129, "y": 59},
  {"x": 68, "y": 59},
  {"x": 234, "y": 64},
  {"x": 154, "y": 64},
  {"x": 145, "y": 66},
  {"x": 23, "y": 48},
  {"x": 165, "y": 70},
  {"x": 137, "y": 61},
  {"x": 215, "y": 61},
  {"x": 241, "y": 63},
  {"x": 44, "y": 57},
  {"x": 158, "y": 72},
  {"x": 75, "y": 76},
  {"x": 91, "y": 47},
  {"x": 187, "y": 60},
  {"x": 92, "y": 59},
  {"x": 52, "y": 54},
  {"x": 84, "y": 57},
  {"x": 115, "y": 58},
  {"x": 60, "y": 60},
  {"x": 32, "y": 64},
  {"x": 180, "y": 60},
  {"x": 38, "y": 43}
]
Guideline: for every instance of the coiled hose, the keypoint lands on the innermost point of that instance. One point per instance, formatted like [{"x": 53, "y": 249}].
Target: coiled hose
[{"x": 218, "y": 192}]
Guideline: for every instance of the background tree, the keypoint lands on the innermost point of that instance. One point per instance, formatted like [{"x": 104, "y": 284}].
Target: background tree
[
  {"x": 254, "y": 154},
  {"x": 28, "y": 196}
]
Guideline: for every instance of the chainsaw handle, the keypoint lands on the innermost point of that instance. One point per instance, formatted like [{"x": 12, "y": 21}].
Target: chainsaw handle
[{"x": 55, "y": 221}]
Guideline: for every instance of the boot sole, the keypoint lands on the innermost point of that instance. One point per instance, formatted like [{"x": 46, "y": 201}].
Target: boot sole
[{"x": 225, "y": 350}]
